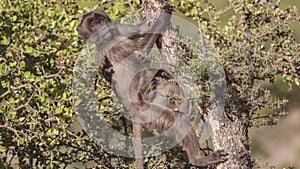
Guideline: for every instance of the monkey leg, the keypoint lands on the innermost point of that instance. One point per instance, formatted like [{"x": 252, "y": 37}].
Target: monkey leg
[
  {"x": 161, "y": 106},
  {"x": 137, "y": 145},
  {"x": 178, "y": 126},
  {"x": 175, "y": 119}
]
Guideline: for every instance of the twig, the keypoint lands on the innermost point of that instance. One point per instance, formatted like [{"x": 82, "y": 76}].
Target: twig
[
  {"x": 13, "y": 88},
  {"x": 208, "y": 10},
  {"x": 52, "y": 75},
  {"x": 11, "y": 129},
  {"x": 267, "y": 32},
  {"x": 50, "y": 119},
  {"x": 226, "y": 9},
  {"x": 18, "y": 87},
  {"x": 131, "y": 7},
  {"x": 104, "y": 98},
  {"x": 24, "y": 105},
  {"x": 198, "y": 19},
  {"x": 277, "y": 3},
  {"x": 159, "y": 161},
  {"x": 67, "y": 131},
  {"x": 44, "y": 38},
  {"x": 4, "y": 94},
  {"x": 32, "y": 109}
]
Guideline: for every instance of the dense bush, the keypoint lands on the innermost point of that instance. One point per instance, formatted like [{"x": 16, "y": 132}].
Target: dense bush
[{"x": 39, "y": 45}]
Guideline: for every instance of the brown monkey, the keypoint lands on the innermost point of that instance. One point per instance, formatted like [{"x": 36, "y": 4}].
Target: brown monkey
[{"x": 139, "y": 88}]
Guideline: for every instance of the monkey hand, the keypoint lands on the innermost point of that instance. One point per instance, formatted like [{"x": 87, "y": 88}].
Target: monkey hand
[
  {"x": 163, "y": 20},
  {"x": 167, "y": 9}
]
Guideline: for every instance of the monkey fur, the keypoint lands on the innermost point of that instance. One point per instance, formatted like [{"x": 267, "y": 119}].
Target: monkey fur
[{"x": 115, "y": 46}]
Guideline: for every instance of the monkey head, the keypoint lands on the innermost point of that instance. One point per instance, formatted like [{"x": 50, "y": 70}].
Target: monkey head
[{"x": 91, "y": 22}]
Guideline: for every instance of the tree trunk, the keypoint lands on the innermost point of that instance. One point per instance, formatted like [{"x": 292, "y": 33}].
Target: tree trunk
[{"x": 232, "y": 136}]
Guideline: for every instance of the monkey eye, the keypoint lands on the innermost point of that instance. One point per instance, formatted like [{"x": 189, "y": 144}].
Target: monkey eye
[{"x": 94, "y": 24}]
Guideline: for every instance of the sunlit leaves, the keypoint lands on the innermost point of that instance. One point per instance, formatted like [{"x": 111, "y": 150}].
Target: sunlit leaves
[
  {"x": 35, "y": 93},
  {"x": 255, "y": 44}
]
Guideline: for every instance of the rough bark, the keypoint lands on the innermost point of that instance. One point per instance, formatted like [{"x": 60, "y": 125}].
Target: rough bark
[{"x": 231, "y": 135}]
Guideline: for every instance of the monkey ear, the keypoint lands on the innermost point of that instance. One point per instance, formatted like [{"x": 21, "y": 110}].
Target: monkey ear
[
  {"x": 106, "y": 17},
  {"x": 94, "y": 24},
  {"x": 102, "y": 15},
  {"x": 99, "y": 19}
]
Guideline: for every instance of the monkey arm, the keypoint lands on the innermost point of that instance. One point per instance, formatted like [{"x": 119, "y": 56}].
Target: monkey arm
[
  {"x": 159, "y": 27},
  {"x": 130, "y": 31}
]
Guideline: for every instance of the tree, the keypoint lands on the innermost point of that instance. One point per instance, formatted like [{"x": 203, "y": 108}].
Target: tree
[
  {"x": 255, "y": 45},
  {"x": 39, "y": 46}
]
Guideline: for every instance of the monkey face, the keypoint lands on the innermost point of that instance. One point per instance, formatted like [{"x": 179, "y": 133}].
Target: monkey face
[{"x": 91, "y": 22}]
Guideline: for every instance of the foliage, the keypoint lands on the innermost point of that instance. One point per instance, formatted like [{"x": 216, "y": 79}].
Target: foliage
[
  {"x": 255, "y": 44},
  {"x": 39, "y": 45}
]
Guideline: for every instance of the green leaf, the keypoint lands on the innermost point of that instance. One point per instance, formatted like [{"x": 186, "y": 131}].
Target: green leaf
[
  {"x": 13, "y": 64},
  {"x": 4, "y": 40},
  {"x": 2, "y": 148},
  {"x": 21, "y": 140},
  {"x": 297, "y": 82},
  {"x": 58, "y": 110},
  {"x": 22, "y": 64},
  {"x": 27, "y": 74},
  {"x": 21, "y": 119}
]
